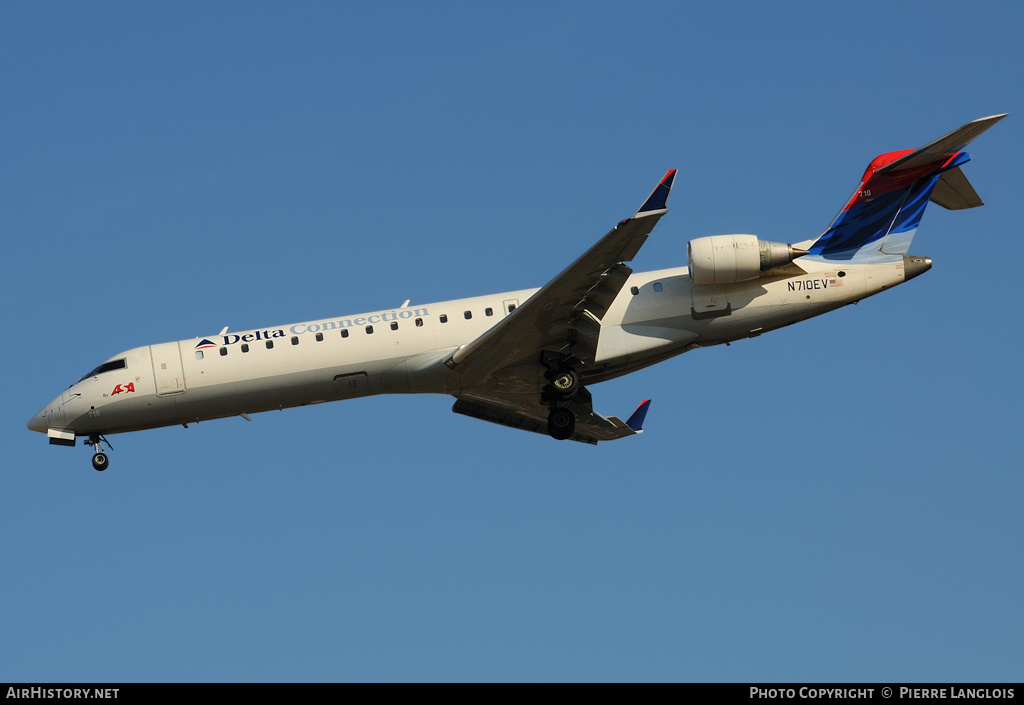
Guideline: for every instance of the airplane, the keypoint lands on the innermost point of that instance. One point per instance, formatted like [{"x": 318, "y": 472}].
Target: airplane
[{"x": 527, "y": 359}]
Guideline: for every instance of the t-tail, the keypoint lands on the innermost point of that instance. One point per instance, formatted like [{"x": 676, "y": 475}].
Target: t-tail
[{"x": 881, "y": 217}]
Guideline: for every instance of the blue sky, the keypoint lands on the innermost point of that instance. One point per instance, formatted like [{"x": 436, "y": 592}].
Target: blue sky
[{"x": 839, "y": 500}]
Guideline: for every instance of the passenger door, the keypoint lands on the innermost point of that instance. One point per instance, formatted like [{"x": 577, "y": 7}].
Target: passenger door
[{"x": 167, "y": 370}]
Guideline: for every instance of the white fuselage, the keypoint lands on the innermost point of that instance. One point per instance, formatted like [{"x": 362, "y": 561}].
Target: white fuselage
[{"x": 403, "y": 350}]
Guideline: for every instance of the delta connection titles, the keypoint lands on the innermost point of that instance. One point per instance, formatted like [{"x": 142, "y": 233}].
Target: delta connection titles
[
  {"x": 948, "y": 692},
  {"x": 321, "y": 326}
]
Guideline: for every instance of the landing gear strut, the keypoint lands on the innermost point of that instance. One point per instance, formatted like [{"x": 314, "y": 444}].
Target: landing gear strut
[{"x": 100, "y": 461}]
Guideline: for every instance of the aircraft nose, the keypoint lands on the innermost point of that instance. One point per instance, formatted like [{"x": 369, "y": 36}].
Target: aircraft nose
[{"x": 38, "y": 422}]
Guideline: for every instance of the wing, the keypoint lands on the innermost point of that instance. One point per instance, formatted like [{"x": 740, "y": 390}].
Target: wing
[
  {"x": 527, "y": 415},
  {"x": 565, "y": 315},
  {"x": 563, "y": 318}
]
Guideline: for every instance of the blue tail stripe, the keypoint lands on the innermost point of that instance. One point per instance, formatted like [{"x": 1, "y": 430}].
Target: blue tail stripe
[
  {"x": 863, "y": 223},
  {"x": 909, "y": 216},
  {"x": 870, "y": 221}
]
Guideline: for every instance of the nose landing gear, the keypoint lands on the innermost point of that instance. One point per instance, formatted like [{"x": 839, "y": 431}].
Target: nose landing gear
[{"x": 100, "y": 461}]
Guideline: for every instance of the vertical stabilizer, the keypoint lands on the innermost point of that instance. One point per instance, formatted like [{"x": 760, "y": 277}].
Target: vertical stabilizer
[{"x": 884, "y": 212}]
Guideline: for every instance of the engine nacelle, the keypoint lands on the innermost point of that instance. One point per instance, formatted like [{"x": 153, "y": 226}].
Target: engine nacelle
[{"x": 724, "y": 259}]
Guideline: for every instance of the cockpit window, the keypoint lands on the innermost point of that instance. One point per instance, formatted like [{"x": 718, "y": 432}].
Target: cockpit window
[{"x": 107, "y": 367}]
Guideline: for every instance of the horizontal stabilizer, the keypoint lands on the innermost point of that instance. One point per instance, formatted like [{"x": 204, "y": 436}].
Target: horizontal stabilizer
[
  {"x": 940, "y": 149},
  {"x": 954, "y": 192}
]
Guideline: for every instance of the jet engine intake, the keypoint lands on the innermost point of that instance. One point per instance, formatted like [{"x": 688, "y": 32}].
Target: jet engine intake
[{"x": 724, "y": 259}]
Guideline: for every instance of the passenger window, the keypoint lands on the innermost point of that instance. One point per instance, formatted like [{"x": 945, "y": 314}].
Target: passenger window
[
  {"x": 369, "y": 330},
  {"x": 223, "y": 352},
  {"x": 657, "y": 286},
  {"x": 295, "y": 340},
  {"x": 444, "y": 318},
  {"x": 468, "y": 315},
  {"x": 488, "y": 311},
  {"x": 199, "y": 354},
  {"x": 394, "y": 325},
  {"x": 633, "y": 290},
  {"x": 511, "y": 308},
  {"x": 419, "y": 322},
  {"x": 270, "y": 344},
  {"x": 245, "y": 347},
  {"x": 344, "y": 332},
  {"x": 319, "y": 337}
]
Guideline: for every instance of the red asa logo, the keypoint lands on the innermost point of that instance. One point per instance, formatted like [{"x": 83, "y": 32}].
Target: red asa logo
[{"x": 130, "y": 387}]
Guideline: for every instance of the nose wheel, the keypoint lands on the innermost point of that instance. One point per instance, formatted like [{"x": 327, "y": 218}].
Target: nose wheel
[{"x": 100, "y": 461}]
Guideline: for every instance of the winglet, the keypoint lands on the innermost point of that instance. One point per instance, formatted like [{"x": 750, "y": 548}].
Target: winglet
[
  {"x": 657, "y": 202},
  {"x": 636, "y": 421}
]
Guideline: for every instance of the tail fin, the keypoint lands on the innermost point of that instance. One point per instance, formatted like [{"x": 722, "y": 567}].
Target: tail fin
[{"x": 883, "y": 214}]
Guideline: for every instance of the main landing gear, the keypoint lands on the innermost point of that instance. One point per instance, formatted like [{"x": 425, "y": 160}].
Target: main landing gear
[
  {"x": 100, "y": 461},
  {"x": 561, "y": 423},
  {"x": 565, "y": 384}
]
